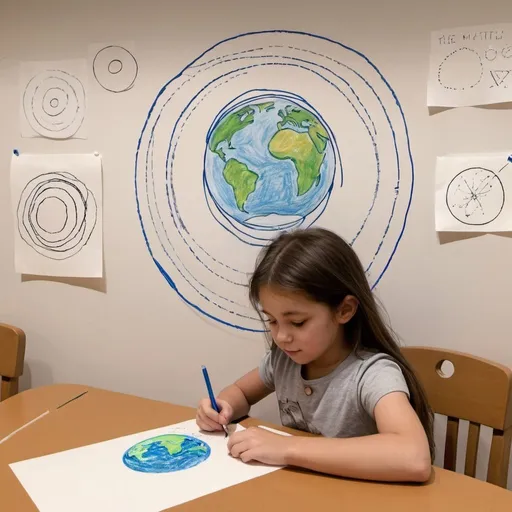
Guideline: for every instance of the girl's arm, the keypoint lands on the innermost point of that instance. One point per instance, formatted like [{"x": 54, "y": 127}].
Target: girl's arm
[
  {"x": 399, "y": 452},
  {"x": 244, "y": 393},
  {"x": 234, "y": 401}
]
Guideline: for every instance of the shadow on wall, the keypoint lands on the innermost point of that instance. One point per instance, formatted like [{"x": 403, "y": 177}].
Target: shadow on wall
[
  {"x": 432, "y": 111},
  {"x": 98, "y": 284},
  {"x": 449, "y": 237},
  {"x": 35, "y": 374}
]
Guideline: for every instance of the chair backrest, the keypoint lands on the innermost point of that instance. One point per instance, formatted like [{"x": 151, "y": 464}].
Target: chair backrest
[
  {"x": 478, "y": 391},
  {"x": 12, "y": 356}
]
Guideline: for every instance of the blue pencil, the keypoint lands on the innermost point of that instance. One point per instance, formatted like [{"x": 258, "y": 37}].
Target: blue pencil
[{"x": 211, "y": 395}]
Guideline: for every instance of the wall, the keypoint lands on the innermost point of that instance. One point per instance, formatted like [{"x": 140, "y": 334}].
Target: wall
[{"x": 130, "y": 332}]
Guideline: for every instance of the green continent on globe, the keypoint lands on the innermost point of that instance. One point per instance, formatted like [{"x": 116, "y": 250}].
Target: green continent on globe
[
  {"x": 172, "y": 443},
  {"x": 228, "y": 126},
  {"x": 306, "y": 149},
  {"x": 266, "y": 106},
  {"x": 234, "y": 122},
  {"x": 241, "y": 179}
]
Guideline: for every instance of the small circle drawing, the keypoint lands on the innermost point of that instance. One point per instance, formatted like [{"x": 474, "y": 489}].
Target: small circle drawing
[
  {"x": 475, "y": 196},
  {"x": 491, "y": 54},
  {"x": 166, "y": 454},
  {"x": 115, "y": 66},
  {"x": 507, "y": 52},
  {"x": 461, "y": 69},
  {"x": 115, "y": 69}
]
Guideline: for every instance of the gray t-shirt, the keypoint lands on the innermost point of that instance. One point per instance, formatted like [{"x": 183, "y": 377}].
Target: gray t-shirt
[{"x": 340, "y": 404}]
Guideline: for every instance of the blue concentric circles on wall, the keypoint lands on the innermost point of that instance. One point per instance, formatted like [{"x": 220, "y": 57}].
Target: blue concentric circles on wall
[{"x": 265, "y": 132}]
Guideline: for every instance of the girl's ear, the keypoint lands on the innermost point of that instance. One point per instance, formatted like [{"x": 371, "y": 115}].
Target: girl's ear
[{"x": 347, "y": 309}]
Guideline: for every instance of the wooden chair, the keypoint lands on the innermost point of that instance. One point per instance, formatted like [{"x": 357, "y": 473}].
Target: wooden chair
[
  {"x": 12, "y": 357},
  {"x": 479, "y": 391}
]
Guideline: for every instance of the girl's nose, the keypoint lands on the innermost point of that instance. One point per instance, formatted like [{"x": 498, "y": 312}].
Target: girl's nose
[{"x": 283, "y": 336}]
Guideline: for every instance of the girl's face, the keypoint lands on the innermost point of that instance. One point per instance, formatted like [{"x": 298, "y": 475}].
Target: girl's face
[{"x": 307, "y": 331}]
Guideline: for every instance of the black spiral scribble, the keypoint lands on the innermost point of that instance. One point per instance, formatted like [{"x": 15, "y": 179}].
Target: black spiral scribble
[{"x": 78, "y": 221}]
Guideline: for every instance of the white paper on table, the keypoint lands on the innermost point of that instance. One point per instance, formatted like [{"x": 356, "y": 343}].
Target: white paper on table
[
  {"x": 57, "y": 210},
  {"x": 94, "y": 477},
  {"x": 470, "y": 66},
  {"x": 473, "y": 192},
  {"x": 53, "y": 99}
]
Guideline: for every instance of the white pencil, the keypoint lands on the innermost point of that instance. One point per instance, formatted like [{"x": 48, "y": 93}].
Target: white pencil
[{"x": 23, "y": 426}]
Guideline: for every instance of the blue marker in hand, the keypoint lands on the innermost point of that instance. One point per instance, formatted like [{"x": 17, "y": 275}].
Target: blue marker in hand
[{"x": 211, "y": 395}]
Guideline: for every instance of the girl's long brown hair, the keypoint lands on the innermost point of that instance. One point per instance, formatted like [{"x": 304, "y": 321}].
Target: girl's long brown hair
[{"x": 322, "y": 265}]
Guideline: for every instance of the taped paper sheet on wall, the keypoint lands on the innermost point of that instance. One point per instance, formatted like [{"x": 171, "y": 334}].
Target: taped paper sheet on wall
[
  {"x": 472, "y": 192},
  {"x": 53, "y": 99},
  {"x": 144, "y": 472},
  {"x": 57, "y": 207},
  {"x": 470, "y": 66}
]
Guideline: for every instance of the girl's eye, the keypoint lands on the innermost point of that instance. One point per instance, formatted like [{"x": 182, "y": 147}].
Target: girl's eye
[
  {"x": 270, "y": 322},
  {"x": 299, "y": 324}
]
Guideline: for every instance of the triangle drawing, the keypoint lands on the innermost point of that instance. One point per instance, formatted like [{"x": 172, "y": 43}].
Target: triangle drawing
[{"x": 499, "y": 75}]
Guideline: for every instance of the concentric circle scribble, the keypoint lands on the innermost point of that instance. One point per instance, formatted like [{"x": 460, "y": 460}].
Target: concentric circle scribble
[
  {"x": 115, "y": 69},
  {"x": 54, "y": 104},
  {"x": 74, "y": 212},
  {"x": 267, "y": 132}
]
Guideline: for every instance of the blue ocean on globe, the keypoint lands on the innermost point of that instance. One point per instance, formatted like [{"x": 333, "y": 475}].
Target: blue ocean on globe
[
  {"x": 166, "y": 453},
  {"x": 269, "y": 161}
]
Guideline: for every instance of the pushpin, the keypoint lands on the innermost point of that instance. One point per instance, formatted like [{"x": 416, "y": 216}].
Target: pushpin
[{"x": 17, "y": 153}]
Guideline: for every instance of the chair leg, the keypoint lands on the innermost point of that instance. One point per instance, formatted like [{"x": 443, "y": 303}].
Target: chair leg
[
  {"x": 497, "y": 472},
  {"x": 9, "y": 388}
]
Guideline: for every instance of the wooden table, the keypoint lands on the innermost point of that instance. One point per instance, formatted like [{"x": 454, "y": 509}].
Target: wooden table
[{"x": 100, "y": 415}]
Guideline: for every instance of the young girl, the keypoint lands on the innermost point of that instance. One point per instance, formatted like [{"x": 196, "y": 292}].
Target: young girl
[{"x": 334, "y": 366}]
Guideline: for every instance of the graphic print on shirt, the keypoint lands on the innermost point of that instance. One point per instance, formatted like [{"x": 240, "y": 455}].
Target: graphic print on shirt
[{"x": 291, "y": 415}]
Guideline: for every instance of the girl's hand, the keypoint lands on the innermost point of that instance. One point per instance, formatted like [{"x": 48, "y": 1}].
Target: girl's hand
[
  {"x": 209, "y": 419},
  {"x": 260, "y": 445}
]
